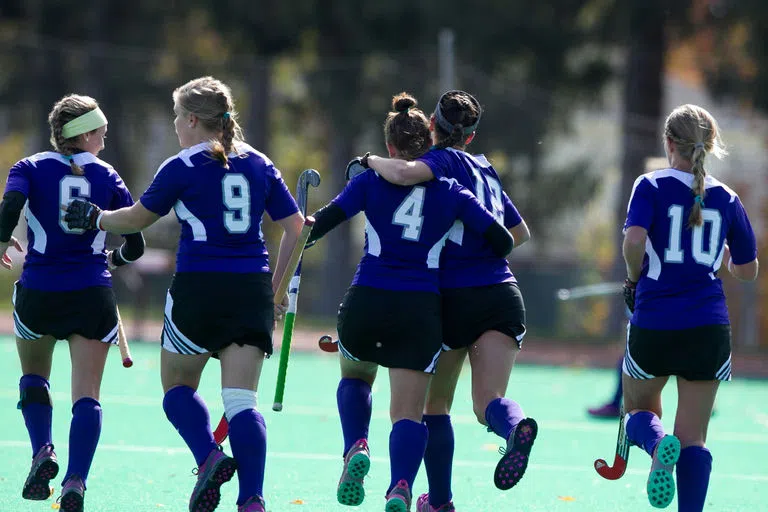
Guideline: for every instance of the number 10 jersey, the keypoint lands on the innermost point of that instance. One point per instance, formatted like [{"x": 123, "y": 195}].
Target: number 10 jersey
[{"x": 679, "y": 287}]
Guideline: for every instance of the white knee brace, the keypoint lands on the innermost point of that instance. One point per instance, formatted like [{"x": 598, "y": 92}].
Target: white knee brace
[{"x": 237, "y": 400}]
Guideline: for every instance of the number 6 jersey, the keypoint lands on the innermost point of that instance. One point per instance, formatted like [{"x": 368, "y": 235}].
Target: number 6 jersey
[
  {"x": 219, "y": 208},
  {"x": 59, "y": 258},
  {"x": 679, "y": 287}
]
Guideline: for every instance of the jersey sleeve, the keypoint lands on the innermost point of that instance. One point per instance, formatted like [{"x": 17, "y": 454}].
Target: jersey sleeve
[
  {"x": 352, "y": 199},
  {"x": 436, "y": 160},
  {"x": 164, "y": 190},
  {"x": 280, "y": 203},
  {"x": 511, "y": 216},
  {"x": 122, "y": 197},
  {"x": 741, "y": 237},
  {"x": 18, "y": 180},
  {"x": 640, "y": 208},
  {"x": 470, "y": 211}
]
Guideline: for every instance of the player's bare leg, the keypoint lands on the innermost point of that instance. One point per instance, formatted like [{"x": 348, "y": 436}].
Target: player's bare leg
[
  {"x": 438, "y": 457},
  {"x": 36, "y": 358},
  {"x": 408, "y": 439},
  {"x": 188, "y": 413},
  {"x": 353, "y": 398},
  {"x": 492, "y": 357},
  {"x": 694, "y": 409},
  {"x": 240, "y": 371},
  {"x": 642, "y": 400}
]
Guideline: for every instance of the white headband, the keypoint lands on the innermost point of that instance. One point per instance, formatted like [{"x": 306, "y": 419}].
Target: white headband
[{"x": 84, "y": 124}]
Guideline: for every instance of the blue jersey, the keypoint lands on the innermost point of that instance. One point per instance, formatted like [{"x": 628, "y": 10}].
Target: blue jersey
[
  {"x": 679, "y": 287},
  {"x": 406, "y": 228},
  {"x": 59, "y": 258},
  {"x": 220, "y": 209},
  {"x": 468, "y": 259}
]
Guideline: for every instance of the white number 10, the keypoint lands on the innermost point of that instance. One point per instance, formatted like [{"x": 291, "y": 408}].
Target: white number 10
[{"x": 674, "y": 251}]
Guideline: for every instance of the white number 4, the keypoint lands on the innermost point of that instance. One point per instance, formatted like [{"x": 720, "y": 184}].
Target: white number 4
[{"x": 408, "y": 214}]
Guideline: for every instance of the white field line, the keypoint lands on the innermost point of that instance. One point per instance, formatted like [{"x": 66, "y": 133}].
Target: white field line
[
  {"x": 461, "y": 419},
  {"x": 555, "y": 468}
]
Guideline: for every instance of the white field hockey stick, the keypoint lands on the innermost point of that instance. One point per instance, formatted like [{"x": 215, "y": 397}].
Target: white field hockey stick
[{"x": 122, "y": 341}]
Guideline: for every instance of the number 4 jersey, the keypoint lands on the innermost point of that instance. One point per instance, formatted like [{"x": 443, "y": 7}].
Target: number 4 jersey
[
  {"x": 219, "y": 208},
  {"x": 59, "y": 258},
  {"x": 406, "y": 228},
  {"x": 679, "y": 287}
]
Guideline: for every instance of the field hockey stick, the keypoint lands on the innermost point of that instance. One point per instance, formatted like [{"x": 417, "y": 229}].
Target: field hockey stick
[
  {"x": 309, "y": 177},
  {"x": 327, "y": 344},
  {"x": 590, "y": 290},
  {"x": 622, "y": 454},
  {"x": 122, "y": 341},
  {"x": 292, "y": 278}
]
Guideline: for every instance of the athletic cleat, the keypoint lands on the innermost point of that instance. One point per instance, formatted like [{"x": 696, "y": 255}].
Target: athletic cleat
[
  {"x": 217, "y": 469},
  {"x": 357, "y": 463},
  {"x": 399, "y": 498},
  {"x": 44, "y": 469},
  {"x": 661, "y": 484},
  {"x": 605, "y": 411},
  {"x": 511, "y": 467},
  {"x": 72, "y": 495},
  {"x": 422, "y": 505},
  {"x": 254, "y": 504}
]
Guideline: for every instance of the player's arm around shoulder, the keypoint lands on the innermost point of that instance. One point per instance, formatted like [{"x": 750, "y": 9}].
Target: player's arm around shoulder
[{"x": 400, "y": 172}]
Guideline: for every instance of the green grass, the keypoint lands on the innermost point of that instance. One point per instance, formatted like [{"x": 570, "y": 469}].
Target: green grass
[{"x": 143, "y": 465}]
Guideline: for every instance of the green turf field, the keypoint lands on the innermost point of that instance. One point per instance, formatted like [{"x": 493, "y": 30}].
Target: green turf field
[{"x": 143, "y": 465}]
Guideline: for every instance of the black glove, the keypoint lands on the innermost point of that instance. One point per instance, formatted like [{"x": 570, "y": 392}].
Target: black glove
[
  {"x": 357, "y": 166},
  {"x": 82, "y": 215},
  {"x": 630, "y": 287}
]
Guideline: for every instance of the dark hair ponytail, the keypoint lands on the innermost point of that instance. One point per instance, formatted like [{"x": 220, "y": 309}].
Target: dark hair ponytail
[
  {"x": 407, "y": 128},
  {"x": 456, "y": 117}
]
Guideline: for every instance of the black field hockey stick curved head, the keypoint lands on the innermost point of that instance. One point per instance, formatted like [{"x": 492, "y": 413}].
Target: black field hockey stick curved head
[{"x": 308, "y": 178}]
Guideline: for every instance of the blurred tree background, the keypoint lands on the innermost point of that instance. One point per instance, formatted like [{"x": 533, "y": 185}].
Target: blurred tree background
[{"x": 575, "y": 93}]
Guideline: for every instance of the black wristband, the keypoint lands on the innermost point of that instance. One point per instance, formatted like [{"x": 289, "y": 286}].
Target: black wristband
[{"x": 10, "y": 211}]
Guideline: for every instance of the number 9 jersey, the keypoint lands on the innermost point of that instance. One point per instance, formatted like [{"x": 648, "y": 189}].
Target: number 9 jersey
[
  {"x": 220, "y": 209},
  {"x": 679, "y": 287}
]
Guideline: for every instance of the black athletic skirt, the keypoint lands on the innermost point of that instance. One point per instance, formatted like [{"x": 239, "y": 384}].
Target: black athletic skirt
[
  {"x": 469, "y": 312},
  {"x": 698, "y": 353},
  {"x": 394, "y": 329},
  {"x": 90, "y": 312},
  {"x": 208, "y": 311}
]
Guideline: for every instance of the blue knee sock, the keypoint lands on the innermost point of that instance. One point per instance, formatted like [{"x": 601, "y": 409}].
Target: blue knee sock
[
  {"x": 353, "y": 398},
  {"x": 84, "y": 433},
  {"x": 619, "y": 387},
  {"x": 37, "y": 416},
  {"x": 438, "y": 458},
  {"x": 407, "y": 443},
  {"x": 502, "y": 416},
  {"x": 693, "y": 469},
  {"x": 186, "y": 410},
  {"x": 644, "y": 429},
  {"x": 248, "y": 439}
]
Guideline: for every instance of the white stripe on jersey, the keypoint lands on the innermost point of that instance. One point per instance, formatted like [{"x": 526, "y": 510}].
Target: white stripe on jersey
[
  {"x": 374, "y": 242},
  {"x": 654, "y": 263},
  {"x": 433, "y": 256},
  {"x": 41, "y": 239},
  {"x": 198, "y": 229}
]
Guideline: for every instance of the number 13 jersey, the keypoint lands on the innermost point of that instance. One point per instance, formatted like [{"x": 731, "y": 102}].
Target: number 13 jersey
[
  {"x": 220, "y": 209},
  {"x": 679, "y": 287}
]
